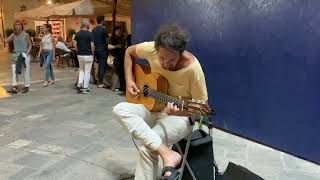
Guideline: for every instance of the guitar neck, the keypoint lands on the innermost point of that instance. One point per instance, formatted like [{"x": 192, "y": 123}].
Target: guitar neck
[{"x": 163, "y": 98}]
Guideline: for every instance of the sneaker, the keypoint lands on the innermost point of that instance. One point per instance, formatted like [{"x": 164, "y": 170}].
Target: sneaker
[
  {"x": 86, "y": 91},
  {"x": 45, "y": 84},
  {"x": 79, "y": 89},
  {"x": 75, "y": 85},
  {"x": 116, "y": 90},
  {"x": 25, "y": 90},
  {"x": 101, "y": 85},
  {"x": 51, "y": 82}
]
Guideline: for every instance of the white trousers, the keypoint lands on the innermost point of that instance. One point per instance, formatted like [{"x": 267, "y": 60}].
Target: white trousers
[
  {"x": 85, "y": 64},
  {"x": 26, "y": 72},
  {"x": 152, "y": 129}
]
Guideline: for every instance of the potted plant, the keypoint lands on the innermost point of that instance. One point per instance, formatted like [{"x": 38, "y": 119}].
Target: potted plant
[
  {"x": 8, "y": 32},
  {"x": 32, "y": 33}
]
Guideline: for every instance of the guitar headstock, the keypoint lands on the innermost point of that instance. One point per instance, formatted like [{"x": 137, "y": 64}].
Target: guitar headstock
[{"x": 197, "y": 107}]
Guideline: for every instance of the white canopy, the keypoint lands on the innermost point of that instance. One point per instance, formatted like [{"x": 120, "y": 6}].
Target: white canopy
[
  {"x": 81, "y": 8},
  {"x": 37, "y": 13}
]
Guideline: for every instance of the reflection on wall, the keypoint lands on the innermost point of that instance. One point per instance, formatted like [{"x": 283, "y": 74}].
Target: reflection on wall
[{"x": 261, "y": 60}]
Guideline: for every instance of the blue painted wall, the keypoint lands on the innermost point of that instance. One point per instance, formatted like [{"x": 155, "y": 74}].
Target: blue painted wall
[{"x": 261, "y": 60}]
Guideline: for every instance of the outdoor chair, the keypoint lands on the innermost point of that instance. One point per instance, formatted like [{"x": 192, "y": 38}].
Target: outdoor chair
[{"x": 62, "y": 57}]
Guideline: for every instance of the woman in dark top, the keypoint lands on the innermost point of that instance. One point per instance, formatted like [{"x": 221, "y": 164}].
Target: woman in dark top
[{"x": 118, "y": 41}]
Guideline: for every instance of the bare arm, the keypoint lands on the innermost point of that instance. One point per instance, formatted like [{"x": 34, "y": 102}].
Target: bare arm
[
  {"x": 29, "y": 44},
  {"x": 110, "y": 47},
  {"x": 5, "y": 40},
  {"x": 40, "y": 50},
  {"x": 117, "y": 46},
  {"x": 74, "y": 44},
  {"x": 53, "y": 46},
  {"x": 129, "y": 58},
  {"x": 113, "y": 46}
]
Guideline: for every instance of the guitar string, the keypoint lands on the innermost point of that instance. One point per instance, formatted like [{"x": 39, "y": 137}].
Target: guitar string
[{"x": 162, "y": 97}]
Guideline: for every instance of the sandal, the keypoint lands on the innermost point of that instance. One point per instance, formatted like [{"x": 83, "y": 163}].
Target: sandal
[
  {"x": 174, "y": 173},
  {"x": 13, "y": 90},
  {"x": 25, "y": 90}
]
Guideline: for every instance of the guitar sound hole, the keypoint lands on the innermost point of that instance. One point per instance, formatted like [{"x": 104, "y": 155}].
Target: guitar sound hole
[{"x": 146, "y": 90}]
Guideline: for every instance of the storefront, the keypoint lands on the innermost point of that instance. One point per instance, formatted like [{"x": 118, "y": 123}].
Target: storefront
[{"x": 58, "y": 27}]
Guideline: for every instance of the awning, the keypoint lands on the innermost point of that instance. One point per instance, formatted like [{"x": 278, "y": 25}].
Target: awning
[
  {"x": 37, "y": 13},
  {"x": 83, "y": 8}
]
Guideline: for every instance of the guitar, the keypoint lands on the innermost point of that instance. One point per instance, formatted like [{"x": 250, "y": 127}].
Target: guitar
[{"x": 153, "y": 93}]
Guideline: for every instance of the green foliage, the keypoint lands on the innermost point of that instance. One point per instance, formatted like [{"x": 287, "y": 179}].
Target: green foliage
[
  {"x": 31, "y": 32},
  {"x": 8, "y": 32}
]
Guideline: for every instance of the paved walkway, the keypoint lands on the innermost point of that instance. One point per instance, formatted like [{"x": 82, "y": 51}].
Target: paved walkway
[
  {"x": 54, "y": 133},
  {"x": 37, "y": 73}
]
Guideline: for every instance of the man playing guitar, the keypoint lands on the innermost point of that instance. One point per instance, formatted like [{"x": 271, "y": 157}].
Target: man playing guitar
[{"x": 159, "y": 130}]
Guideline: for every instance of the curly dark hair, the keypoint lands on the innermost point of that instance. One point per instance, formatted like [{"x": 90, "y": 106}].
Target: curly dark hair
[{"x": 171, "y": 37}]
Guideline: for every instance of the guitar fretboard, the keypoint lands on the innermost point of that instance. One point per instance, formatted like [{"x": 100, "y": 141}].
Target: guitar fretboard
[{"x": 162, "y": 97}]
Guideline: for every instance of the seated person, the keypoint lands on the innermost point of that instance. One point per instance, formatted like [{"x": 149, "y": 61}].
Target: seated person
[
  {"x": 69, "y": 42},
  {"x": 60, "y": 45},
  {"x": 167, "y": 55}
]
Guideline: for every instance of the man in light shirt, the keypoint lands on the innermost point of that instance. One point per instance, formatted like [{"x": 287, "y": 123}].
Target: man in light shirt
[{"x": 61, "y": 45}]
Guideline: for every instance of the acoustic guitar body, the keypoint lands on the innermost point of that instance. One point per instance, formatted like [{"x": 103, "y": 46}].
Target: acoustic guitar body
[{"x": 143, "y": 76}]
